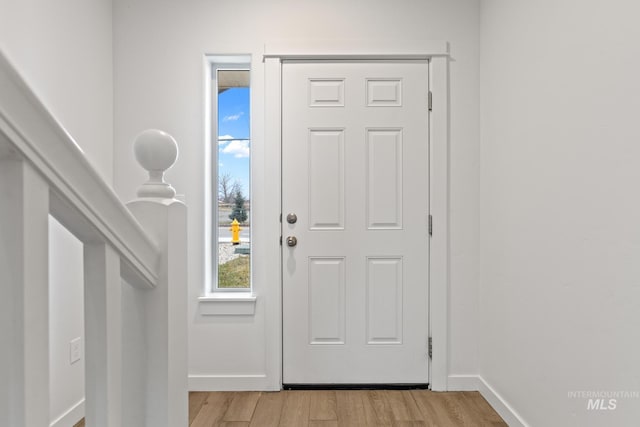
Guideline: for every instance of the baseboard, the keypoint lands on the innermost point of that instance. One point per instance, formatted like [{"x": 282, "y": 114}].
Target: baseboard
[
  {"x": 231, "y": 383},
  {"x": 71, "y": 417},
  {"x": 477, "y": 383},
  {"x": 508, "y": 414}
]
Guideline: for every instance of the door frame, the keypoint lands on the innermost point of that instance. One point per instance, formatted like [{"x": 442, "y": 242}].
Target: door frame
[{"x": 437, "y": 53}]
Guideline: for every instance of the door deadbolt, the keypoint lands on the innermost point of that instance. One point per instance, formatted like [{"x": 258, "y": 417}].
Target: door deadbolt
[
  {"x": 292, "y": 241},
  {"x": 292, "y": 218}
]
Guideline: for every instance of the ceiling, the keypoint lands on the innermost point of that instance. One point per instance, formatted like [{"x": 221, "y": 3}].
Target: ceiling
[{"x": 228, "y": 79}]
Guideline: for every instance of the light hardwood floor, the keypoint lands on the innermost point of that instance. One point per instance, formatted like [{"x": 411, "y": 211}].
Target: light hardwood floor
[{"x": 341, "y": 408}]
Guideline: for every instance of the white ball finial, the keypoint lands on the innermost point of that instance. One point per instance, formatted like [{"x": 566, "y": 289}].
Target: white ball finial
[{"x": 156, "y": 151}]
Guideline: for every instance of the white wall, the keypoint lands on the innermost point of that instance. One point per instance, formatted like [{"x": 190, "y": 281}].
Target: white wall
[
  {"x": 560, "y": 235},
  {"x": 64, "y": 51},
  {"x": 66, "y": 322},
  {"x": 158, "y": 53}
]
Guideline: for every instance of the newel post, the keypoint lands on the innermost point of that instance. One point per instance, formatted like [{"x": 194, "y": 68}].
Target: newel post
[{"x": 165, "y": 309}]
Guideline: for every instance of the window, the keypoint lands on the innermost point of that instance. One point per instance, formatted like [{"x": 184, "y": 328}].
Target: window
[{"x": 230, "y": 172}]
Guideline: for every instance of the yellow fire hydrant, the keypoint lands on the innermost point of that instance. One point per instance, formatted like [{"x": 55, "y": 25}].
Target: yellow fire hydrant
[{"x": 235, "y": 232}]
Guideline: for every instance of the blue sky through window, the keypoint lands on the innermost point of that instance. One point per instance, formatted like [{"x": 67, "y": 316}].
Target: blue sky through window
[{"x": 234, "y": 146}]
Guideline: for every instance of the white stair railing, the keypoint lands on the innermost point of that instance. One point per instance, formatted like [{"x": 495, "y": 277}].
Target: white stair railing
[{"x": 134, "y": 273}]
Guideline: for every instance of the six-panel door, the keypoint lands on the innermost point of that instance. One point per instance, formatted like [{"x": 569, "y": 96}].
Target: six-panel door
[{"x": 355, "y": 173}]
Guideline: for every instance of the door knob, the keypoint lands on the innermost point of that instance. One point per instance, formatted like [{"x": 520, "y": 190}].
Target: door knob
[
  {"x": 292, "y": 218},
  {"x": 292, "y": 241}
]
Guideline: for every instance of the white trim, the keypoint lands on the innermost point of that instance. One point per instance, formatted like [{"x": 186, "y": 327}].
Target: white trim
[
  {"x": 497, "y": 402},
  {"x": 227, "y": 303},
  {"x": 71, "y": 417},
  {"x": 360, "y": 49},
  {"x": 272, "y": 155},
  {"x": 439, "y": 207},
  {"x": 212, "y": 64},
  {"x": 207, "y": 178},
  {"x": 259, "y": 382},
  {"x": 437, "y": 52}
]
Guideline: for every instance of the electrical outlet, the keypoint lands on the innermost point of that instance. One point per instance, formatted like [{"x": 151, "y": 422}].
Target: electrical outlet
[{"x": 75, "y": 350}]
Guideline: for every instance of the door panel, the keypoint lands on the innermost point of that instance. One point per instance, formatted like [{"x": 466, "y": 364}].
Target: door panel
[{"x": 355, "y": 172}]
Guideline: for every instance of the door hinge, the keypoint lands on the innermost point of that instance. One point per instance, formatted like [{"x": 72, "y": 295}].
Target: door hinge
[
  {"x": 430, "y": 225},
  {"x": 430, "y": 348},
  {"x": 280, "y": 217},
  {"x": 280, "y": 240},
  {"x": 430, "y": 100}
]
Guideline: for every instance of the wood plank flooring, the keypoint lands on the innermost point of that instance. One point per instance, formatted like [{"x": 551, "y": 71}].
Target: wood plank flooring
[{"x": 348, "y": 408}]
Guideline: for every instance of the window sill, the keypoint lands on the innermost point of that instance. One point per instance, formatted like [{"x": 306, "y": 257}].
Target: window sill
[{"x": 228, "y": 303}]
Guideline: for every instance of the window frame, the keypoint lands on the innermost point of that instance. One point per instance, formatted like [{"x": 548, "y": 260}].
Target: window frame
[{"x": 214, "y": 64}]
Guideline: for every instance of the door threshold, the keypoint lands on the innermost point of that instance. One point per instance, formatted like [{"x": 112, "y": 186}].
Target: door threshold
[{"x": 392, "y": 386}]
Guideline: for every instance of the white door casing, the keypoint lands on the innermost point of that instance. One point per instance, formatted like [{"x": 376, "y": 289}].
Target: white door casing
[{"x": 355, "y": 171}]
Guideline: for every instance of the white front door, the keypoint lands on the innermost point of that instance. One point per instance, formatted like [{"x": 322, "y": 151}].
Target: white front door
[{"x": 356, "y": 177}]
